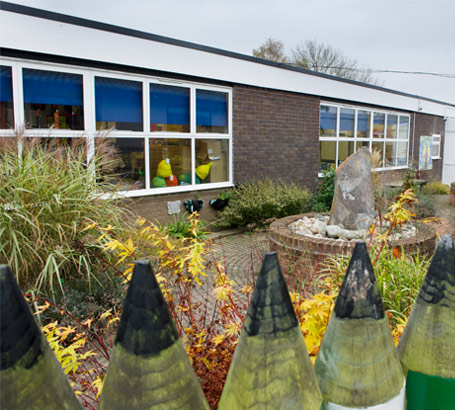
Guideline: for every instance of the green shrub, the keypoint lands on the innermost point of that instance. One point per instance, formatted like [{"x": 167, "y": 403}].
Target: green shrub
[
  {"x": 47, "y": 199},
  {"x": 255, "y": 202},
  {"x": 424, "y": 208},
  {"x": 436, "y": 188},
  {"x": 182, "y": 228},
  {"x": 322, "y": 200}
]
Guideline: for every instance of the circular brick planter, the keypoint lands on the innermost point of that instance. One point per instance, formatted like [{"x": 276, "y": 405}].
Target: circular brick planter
[{"x": 306, "y": 253}]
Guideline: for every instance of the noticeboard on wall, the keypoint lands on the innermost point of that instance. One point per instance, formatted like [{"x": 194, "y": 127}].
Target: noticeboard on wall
[{"x": 425, "y": 161}]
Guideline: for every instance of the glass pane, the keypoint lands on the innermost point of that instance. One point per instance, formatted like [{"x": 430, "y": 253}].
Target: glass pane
[
  {"x": 211, "y": 111},
  {"x": 379, "y": 147},
  {"x": 327, "y": 154},
  {"x": 169, "y": 108},
  {"x": 347, "y": 123},
  {"x": 402, "y": 153},
  {"x": 390, "y": 151},
  {"x": 378, "y": 125},
  {"x": 435, "y": 149},
  {"x": 6, "y": 98},
  {"x": 392, "y": 122},
  {"x": 345, "y": 148},
  {"x": 404, "y": 128},
  {"x": 128, "y": 165},
  {"x": 360, "y": 144},
  {"x": 53, "y": 99},
  {"x": 212, "y": 161},
  {"x": 328, "y": 124},
  {"x": 170, "y": 162},
  {"x": 118, "y": 104},
  {"x": 363, "y": 124}
]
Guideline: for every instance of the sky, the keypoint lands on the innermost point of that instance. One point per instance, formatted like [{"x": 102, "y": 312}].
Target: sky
[{"x": 398, "y": 35}]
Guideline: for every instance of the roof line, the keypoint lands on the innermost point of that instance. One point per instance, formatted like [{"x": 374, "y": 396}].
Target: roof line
[{"x": 82, "y": 22}]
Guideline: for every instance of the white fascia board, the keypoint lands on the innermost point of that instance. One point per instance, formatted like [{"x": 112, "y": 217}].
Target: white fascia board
[{"x": 34, "y": 34}]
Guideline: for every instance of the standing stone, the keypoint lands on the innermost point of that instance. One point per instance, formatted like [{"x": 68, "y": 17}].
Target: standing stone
[{"x": 353, "y": 202}]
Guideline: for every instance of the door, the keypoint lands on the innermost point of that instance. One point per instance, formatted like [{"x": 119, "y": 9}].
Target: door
[{"x": 448, "y": 167}]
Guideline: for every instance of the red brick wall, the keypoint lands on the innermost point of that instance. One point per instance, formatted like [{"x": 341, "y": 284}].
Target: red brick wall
[
  {"x": 426, "y": 124},
  {"x": 276, "y": 134}
]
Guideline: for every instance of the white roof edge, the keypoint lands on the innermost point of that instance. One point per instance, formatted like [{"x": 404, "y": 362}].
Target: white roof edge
[{"x": 47, "y": 36}]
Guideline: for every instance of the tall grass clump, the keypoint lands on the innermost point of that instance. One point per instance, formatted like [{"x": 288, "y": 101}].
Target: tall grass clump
[
  {"x": 399, "y": 279},
  {"x": 47, "y": 198},
  {"x": 255, "y": 202}
]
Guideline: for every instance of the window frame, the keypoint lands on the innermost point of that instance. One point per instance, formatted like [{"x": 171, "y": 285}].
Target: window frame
[
  {"x": 90, "y": 132},
  {"x": 436, "y": 143},
  {"x": 370, "y": 139}
]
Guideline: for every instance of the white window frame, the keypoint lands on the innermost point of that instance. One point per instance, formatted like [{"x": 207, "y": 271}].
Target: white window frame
[
  {"x": 90, "y": 132},
  {"x": 436, "y": 142},
  {"x": 370, "y": 139}
]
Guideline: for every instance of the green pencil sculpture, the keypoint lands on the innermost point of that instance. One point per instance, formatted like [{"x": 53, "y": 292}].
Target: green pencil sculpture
[
  {"x": 358, "y": 365},
  {"x": 427, "y": 346},
  {"x": 149, "y": 367},
  {"x": 271, "y": 368},
  {"x": 31, "y": 378}
]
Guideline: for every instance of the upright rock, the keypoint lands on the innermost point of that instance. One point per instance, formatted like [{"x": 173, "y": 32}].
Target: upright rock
[
  {"x": 149, "y": 367},
  {"x": 31, "y": 378},
  {"x": 358, "y": 365},
  {"x": 353, "y": 201},
  {"x": 427, "y": 346},
  {"x": 271, "y": 368}
]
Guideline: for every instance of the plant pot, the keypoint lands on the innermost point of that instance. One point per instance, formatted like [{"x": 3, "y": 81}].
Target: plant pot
[
  {"x": 219, "y": 204},
  {"x": 194, "y": 205}
]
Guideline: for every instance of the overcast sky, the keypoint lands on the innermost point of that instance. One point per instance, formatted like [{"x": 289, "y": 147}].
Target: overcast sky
[{"x": 405, "y": 35}]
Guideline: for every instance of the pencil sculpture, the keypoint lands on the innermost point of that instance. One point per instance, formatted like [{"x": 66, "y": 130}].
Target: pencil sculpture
[
  {"x": 358, "y": 365},
  {"x": 31, "y": 378},
  {"x": 427, "y": 346},
  {"x": 149, "y": 367},
  {"x": 271, "y": 368}
]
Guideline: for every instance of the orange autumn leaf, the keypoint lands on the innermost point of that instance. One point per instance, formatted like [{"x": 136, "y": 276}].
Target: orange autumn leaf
[{"x": 396, "y": 252}]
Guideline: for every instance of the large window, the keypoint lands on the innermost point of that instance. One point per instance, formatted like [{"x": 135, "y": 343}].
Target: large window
[
  {"x": 344, "y": 130},
  {"x": 164, "y": 135},
  {"x": 6, "y": 98},
  {"x": 118, "y": 104},
  {"x": 52, "y": 99}
]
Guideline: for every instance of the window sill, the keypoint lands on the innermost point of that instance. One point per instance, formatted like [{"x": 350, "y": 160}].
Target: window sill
[{"x": 164, "y": 191}]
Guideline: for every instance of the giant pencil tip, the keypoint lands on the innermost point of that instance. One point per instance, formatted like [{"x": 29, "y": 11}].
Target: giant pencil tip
[
  {"x": 145, "y": 315},
  {"x": 440, "y": 277},
  {"x": 359, "y": 295},
  {"x": 271, "y": 309},
  {"x": 20, "y": 336}
]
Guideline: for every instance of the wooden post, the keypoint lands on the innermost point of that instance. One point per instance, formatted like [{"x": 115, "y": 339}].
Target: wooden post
[
  {"x": 427, "y": 346},
  {"x": 149, "y": 367},
  {"x": 31, "y": 378},
  {"x": 271, "y": 368},
  {"x": 358, "y": 365}
]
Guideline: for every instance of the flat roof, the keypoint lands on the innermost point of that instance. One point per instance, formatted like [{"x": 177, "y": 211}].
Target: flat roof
[{"x": 35, "y": 30}]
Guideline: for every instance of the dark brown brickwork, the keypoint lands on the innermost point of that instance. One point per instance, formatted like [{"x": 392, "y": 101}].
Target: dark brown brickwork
[
  {"x": 154, "y": 208},
  {"x": 426, "y": 124},
  {"x": 276, "y": 135}
]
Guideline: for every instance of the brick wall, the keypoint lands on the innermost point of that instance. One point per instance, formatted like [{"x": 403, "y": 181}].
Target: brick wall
[
  {"x": 426, "y": 124},
  {"x": 154, "y": 208},
  {"x": 276, "y": 134}
]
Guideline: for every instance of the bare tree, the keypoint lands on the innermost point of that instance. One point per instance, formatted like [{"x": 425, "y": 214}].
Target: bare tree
[
  {"x": 315, "y": 56},
  {"x": 272, "y": 50},
  {"x": 324, "y": 58}
]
